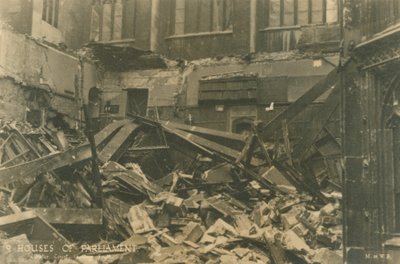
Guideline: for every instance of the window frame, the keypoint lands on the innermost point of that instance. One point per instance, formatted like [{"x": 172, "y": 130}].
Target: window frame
[
  {"x": 50, "y": 12},
  {"x": 223, "y": 26},
  {"x": 296, "y": 24}
]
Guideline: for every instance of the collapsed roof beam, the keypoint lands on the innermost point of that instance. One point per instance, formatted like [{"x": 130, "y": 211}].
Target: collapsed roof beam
[{"x": 275, "y": 125}]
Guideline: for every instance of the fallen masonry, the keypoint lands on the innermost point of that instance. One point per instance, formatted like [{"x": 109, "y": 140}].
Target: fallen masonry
[{"x": 169, "y": 193}]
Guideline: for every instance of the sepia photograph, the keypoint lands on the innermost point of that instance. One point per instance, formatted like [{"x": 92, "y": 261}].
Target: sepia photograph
[{"x": 200, "y": 131}]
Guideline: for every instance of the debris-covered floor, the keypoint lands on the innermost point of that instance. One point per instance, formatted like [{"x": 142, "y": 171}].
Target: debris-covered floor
[{"x": 161, "y": 192}]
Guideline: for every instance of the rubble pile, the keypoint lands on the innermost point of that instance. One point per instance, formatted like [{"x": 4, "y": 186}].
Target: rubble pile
[{"x": 168, "y": 194}]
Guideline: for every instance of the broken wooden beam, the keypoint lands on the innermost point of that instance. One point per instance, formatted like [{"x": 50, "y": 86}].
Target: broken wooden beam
[
  {"x": 211, "y": 145},
  {"x": 71, "y": 216},
  {"x": 205, "y": 131},
  {"x": 57, "y": 160},
  {"x": 274, "y": 126},
  {"x": 117, "y": 142},
  {"x": 38, "y": 230},
  {"x": 44, "y": 164},
  {"x": 317, "y": 124}
]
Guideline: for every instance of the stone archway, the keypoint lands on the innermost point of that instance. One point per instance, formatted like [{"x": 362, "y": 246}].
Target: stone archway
[{"x": 242, "y": 125}]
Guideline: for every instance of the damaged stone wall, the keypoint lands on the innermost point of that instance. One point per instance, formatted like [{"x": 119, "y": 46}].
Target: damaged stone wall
[
  {"x": 12, "y": 103},
  {"x": 163, "y": 86},
  {"x": 31, "y": 63},
  {"x": 18, "y": 14},
  {"x": 72, "y": 27},
  {"x": 175, "y": 90},
  {"x": 249, "y": 32}
]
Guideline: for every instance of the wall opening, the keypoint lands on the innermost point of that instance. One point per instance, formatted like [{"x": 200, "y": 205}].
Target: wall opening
[
  {"x": 137, "y": 100},
  {"x": 242, "y": 126}
]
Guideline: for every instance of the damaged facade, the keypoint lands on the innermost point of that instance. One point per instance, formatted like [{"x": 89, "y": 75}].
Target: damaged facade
[
  {"x": 226, "y": 130},
  {"x": 63, "y": 23},
  {"x": 234, "y": 62},
  {"x": 43, "y": 84},
  {"x": 370, "y": 149}
]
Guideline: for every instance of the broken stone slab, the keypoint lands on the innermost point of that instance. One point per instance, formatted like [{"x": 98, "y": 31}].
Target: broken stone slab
[
  {"x": 219, "y": 174},
  {"x": 192, "y": 232},
  {"x": 220, "y": 227},
  {"x": 139, "y": 220},
  {"x": 328, "y": 210},
  {"x": 289, "y": 219},
  {"x": 244, "y": 225},
  {"x": 324, "y": 255},
  {"x": 291, "y": 241},
  {"x": 275, "y": 176},
  {"x": 222, "y": 206},
  {"x": 286, "y": 189},
  {"x": 221, "y": 240},
  {"x": 193, "y": 202},
  {"x": 184, "y": 221},
  {"x": 174, "y": 205},
  {"x": 259, "y": 214},
  {"x": 326, "y": 238},
  {"x": 300, "y": 230},
  {"x": 329, "y": 221},
  {"x": 191, "y": 244},
  {"x": 241, "y": 252},
  {"x": 309, "y": 220},
  {"x": 272, "y": 238},
  {"x": 168, "y": 240},
  {"x": 207, "y": 239}
]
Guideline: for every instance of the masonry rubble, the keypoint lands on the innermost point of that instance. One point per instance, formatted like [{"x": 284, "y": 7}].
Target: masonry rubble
[{"x": 169, "y": 194}]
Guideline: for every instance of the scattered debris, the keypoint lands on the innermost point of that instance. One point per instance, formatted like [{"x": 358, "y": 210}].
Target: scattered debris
[{"x": 202, "y": 204}]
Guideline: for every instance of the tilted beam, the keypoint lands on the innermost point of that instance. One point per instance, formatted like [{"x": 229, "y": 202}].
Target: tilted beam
[
  {"x": 317, "y": 124},
  {"x": 299, "y": 105}
]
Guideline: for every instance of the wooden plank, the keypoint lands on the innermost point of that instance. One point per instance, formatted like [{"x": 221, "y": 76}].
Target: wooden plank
[
  {"x": 15, "y": 158},
  {"x": 264, "y": 182},
  {"x": 261, "y": 145},
  {"x": 5, "y": 141},
  {"x": 205, "y": 131},
  {"x": 54, "y": 161},
  {"x": 44, "y": 164},
  {"x": 76, "y": 216},
  {"x": 139, "y": 220},
  {"x": 286, "y": 141},
  {"x": 226, "y": 151},
  {"x": 116, "y": 142},
  {"x": 299, "y": 105},
  {"x": 38, "y": 231}
]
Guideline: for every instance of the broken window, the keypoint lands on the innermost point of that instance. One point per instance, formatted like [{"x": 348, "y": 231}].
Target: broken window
[
  {"x": 50, "y": 12},
  {"x": 194, "y": 16},
  {"x": 301, "y": 12}
]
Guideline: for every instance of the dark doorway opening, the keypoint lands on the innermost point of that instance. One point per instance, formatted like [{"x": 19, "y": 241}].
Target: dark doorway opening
[{"x": 137, "y": 101}]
